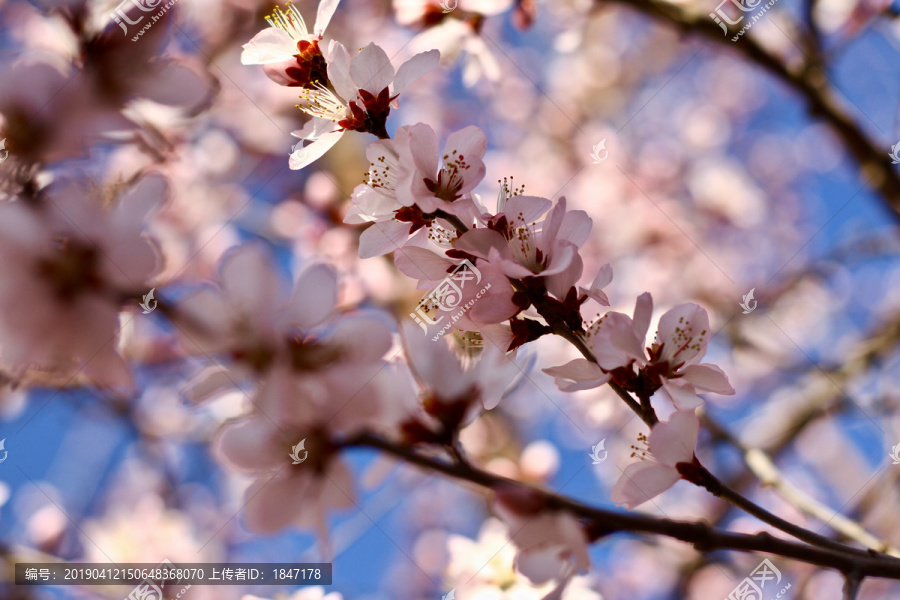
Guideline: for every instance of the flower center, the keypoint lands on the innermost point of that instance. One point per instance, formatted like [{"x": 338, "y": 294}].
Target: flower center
[
  {"x": 322, "y": 103},
  {"x": 450, "y": 178},
  {"x": 73, "y": 268},
  {"x": 290, "y": 21}
]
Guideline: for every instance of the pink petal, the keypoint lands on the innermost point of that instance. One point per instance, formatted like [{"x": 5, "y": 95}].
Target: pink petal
[
  {"x": 480, "y": 241},
  {"x": 685, "y": 332},
  {"x": 642, "y": 481},
  {"x": 578, "y": 374},
  {"x": 250, "y": 445},
  {"x": 673, "y": 441},
  {"x": 604, "y": 277},
  {"x": 383, "y": 238},
  {"x": 371, "y": 69},
  {"x": 419, "y": 263},
  {"x": 469, "y": 142},
  {"x": 575, "y": 227},
  {"x": 423, "y": 147},
  {"x": 643, "y": 312},
  {"x": 708, "y": 377},
  {"x": 618, "y": 329},
  {"x": 276, "y": 504},
  {"x": 249, "y": 282},
  {"x": 553, "y": 221},
  {"x": 315, "y": 296},
  {"x": 520, "y": 210},
  {"x": 415, "y": 67}
]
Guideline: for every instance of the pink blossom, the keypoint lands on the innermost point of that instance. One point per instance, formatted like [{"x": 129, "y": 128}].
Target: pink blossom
[
  {"x": 672, "y": 363},
  {"x": 552, "y": 544},
  {"x": 292, "y": 343},
  {"x": 437, "y": 180},
  {"x": 671, "y": 444},
  {"x": 284, "y": 494},
  {"x": 364, "y": 89},
  {"x": 521, "y": 246},
  {"x": 441, "y": 373},
  {"x": 68, "y": 265},
  {"x": 397, "y": 223},
  {"x": 288, "y": 50}
]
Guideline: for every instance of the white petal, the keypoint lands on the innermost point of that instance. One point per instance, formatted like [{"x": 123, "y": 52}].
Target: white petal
[
  {"x": 324, "y": 14},
  {"x": 682, "y": 394},
  {"x": 268, "y": 46},
  {"x": 371, "y": 69},
  {"x": 314, "y": 151},
  {"x": 415, "y": 67},
  {"x": 419, "y": 263},
  {"x": 339, "y": 72}
]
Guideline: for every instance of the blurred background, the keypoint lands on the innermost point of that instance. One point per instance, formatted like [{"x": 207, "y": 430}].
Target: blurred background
[{"x": 718, "y": 180}]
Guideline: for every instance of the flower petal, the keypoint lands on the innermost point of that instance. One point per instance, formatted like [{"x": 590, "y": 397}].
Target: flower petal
[
  {"x": 642, "y": 481},
  {"x": 673, "y": 441},
  {"x": 371, "y": 69},
  {"x": 383, "y": 238},
  {"x": 709, "y": 378},
  {"x": 685, "y": 332},
  {"x": 578, "y": 374},
  {"x": 314, "y": 151},
  {"x": 415, "y": 67},
  {"x": 324, "y": 14},
  {"x": 268, "y": 46},
  {"x": 315, "y": 296}
]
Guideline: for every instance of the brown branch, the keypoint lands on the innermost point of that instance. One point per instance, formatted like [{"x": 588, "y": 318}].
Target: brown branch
[
  {"x": 700, "y": 535},
  {"x": 807, "y": 79}
]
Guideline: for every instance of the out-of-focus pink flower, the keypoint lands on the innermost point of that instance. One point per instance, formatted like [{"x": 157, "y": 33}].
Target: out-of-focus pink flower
[
  {"x": 67, "y": 265},
  {"x": 521, "y": 247},
  {"x": 285, "y": 494},
  {"x": 671, "y": 443},
  {"x": 445, "y": 380},
  {"x": 552, "y": 545},
  {"x": 364, "y": 89},
  {"x": 289, "y": 52},
  {"x": 671, "y": 363},
  {"x": 291, "y": 343}
]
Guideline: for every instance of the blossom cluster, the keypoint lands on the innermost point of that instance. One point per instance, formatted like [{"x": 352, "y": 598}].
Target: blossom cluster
[{"x": 420, "y": 203}]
